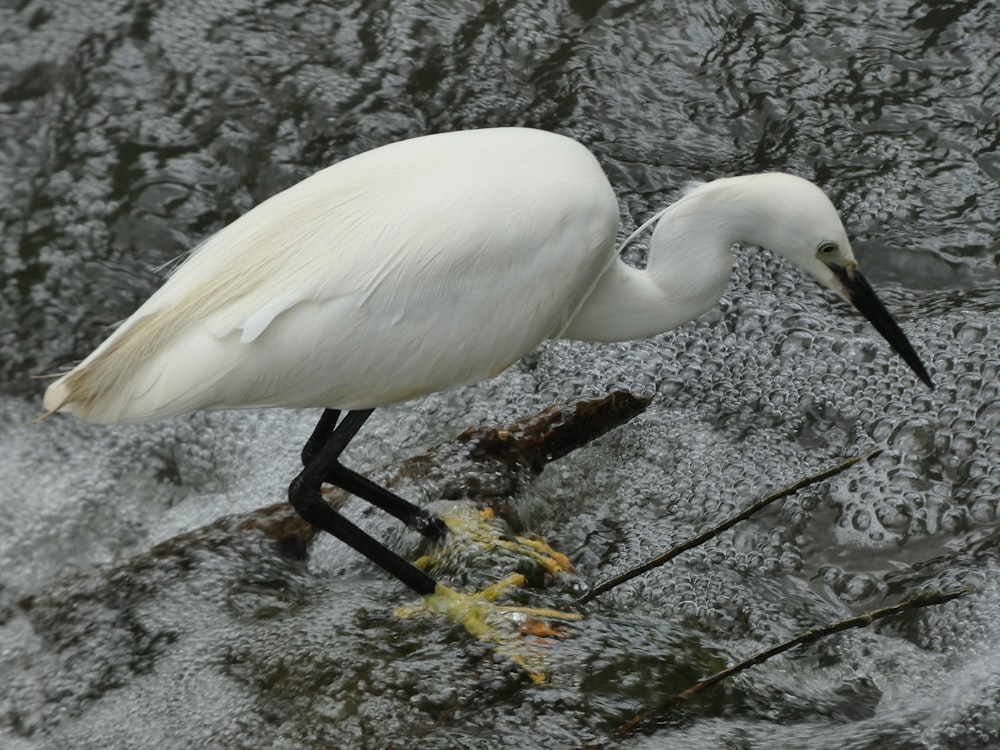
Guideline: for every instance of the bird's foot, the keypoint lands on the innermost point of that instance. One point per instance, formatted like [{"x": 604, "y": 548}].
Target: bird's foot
[
  {"x": 534, "y": 547},
  {"x": 479, "y": 543},
  {"x": 517, "y": 633},
  {"x": 480, "y": 529}
]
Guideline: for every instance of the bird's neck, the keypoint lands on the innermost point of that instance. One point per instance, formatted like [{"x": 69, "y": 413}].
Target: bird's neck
[{"x": 690, "y": 262}]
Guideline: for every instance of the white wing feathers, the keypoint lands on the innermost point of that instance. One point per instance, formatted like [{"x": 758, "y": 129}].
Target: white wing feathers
[{"x": 368, "y": 282}]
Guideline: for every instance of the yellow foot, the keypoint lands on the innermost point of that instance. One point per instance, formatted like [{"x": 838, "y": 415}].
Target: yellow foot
[
  {"x": 504, "y": 628},
  {"x": 534, "y": 547},
  {"x": 480, "y": 529}
]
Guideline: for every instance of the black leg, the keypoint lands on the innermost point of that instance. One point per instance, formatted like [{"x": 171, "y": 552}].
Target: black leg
[
  {"x": 326, "y": 464},
  {"x": 412, "y": 515},
  {"x": 320, "y": 457},
  {"x": 322, "y": 432},
  {"x": 307, "y": 500}
]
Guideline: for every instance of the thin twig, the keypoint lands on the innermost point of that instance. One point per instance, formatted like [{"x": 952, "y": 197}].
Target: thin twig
[
  {"x": 609, "y": 583},
  {"x": 923, "y": 599}
]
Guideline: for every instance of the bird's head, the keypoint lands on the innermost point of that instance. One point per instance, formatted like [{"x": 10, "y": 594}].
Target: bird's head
[{"x": 794, "y": 218}]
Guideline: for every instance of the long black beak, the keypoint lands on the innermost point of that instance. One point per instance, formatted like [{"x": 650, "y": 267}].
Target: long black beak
[{"x": 863, "y": 297}]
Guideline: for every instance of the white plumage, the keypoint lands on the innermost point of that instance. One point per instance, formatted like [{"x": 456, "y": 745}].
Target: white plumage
[
  {"x": 405, "y": 270},
  {"x": 431, "y": 263}
]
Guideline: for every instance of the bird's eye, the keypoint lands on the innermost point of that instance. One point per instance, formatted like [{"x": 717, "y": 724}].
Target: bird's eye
[{"x": 827, "y": 249}]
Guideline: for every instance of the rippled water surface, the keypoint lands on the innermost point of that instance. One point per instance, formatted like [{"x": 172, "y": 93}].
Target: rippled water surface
[{"x": 130, "y": 130}]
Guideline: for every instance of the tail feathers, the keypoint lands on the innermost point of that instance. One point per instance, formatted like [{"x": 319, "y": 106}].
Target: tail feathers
[
  {"x": 73, "y": 394},
  {"x": 99, "y": 389},
  {"x": 56, "y": 399}
]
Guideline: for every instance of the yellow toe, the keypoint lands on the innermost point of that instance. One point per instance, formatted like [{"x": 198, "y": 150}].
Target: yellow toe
[
  {"x": 481, "y": 531},
  {"x": 504, "y": 628}
]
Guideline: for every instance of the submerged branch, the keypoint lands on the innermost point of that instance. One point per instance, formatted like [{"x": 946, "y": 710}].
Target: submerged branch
[
  {"x": 923, "y": 599},
  {"x": 509, "y": 455},
  {"x": 226, "y": 555},
  {"x": 610, "y": 583}
]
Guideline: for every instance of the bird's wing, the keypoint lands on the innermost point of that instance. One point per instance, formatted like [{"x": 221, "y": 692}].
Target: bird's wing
[{"x": 459, "y": 260}]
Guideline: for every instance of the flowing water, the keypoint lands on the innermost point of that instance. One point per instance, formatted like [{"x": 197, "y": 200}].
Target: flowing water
[{"x": 129, "y": 130}]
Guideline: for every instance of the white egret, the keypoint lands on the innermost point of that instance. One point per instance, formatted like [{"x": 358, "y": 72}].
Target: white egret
[{"x": 424, "y": 265}]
